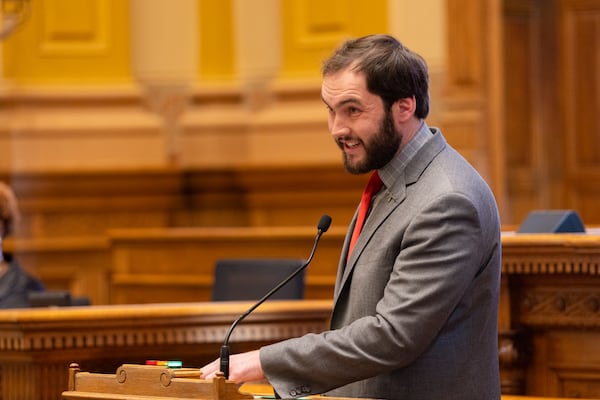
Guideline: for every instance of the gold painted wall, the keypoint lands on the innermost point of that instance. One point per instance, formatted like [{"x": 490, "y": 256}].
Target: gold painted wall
[
  {"x": 70, "y": 42},
  {"x": 216, "y": 30},
  {"x": 82, "y": 95},
  {"x": 74, "y": 42},
  {"x": 312, "y": 28}
]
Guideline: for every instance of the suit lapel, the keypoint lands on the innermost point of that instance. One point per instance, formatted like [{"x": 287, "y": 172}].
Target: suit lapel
[
  {"x": 385, "y": 205},
  {"x": 390, "y": 199}
]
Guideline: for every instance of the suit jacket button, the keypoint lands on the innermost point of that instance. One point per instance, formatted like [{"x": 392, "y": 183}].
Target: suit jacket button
[{"x": 293, "y": 392}]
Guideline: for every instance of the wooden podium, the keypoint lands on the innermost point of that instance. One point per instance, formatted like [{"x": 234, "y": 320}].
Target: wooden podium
[
  {"x": 152, "y": 382},
  {"x": 149, "y": 382}
]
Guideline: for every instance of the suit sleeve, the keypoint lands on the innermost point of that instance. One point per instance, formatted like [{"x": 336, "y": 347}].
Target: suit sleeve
[{"x": 435, "y": 258}]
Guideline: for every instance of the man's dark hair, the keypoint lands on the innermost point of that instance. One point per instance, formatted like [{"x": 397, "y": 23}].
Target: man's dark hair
[{"x": 392, "y": 71}]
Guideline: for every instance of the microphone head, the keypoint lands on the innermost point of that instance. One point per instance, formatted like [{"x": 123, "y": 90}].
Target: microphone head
[{"x": 324, "y": 223}]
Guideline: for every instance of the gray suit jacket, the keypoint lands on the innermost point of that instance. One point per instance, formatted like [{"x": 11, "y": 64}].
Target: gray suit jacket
[{"x": 415, "y": 308}]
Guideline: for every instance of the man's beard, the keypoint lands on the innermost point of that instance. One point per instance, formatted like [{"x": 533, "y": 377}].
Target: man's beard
[{"x": 380, "y": 149}]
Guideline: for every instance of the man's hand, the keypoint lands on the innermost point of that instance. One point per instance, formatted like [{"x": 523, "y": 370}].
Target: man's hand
[{"x": 243, "y": 367}]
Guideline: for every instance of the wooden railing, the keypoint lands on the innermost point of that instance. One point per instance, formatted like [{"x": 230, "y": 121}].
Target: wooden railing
[{"x": 38, "y": 345}]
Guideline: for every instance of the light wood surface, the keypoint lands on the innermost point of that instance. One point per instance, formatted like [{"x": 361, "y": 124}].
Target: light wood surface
[
  {"x": 40, "y": 344},
  {"x": 179, "y": 263}
]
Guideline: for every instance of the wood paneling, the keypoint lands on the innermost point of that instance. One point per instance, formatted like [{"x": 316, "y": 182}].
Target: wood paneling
[
  {"x": 178, "y": 264},
  {"x": 61, "y": 129},
  {"x": 526, "y": 165},
  {"x": 63, "y": 236},
  {"x": 579, "y": 65},
  {"x": 465, "y": 70},
  {"x": 86, "y": 203},
  {"x": 471, "y": 114},
  {"x": 551, "y": 61},
  {"x": 76, "y": 264}
]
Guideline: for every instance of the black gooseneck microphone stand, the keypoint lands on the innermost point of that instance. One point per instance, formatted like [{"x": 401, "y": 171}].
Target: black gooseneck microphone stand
[{"x": 322, "y": 227}]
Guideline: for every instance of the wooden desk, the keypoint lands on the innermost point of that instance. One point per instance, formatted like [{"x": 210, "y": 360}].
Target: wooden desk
[
  {"x": 137, "y": 382},
  {"x": 37, "y": 345},
  {"x": 168, "y": 264},
  {"x": 264, "y": 389},
  {"x": 550, "y": 315},
  {"x": 510, "y": 397}
]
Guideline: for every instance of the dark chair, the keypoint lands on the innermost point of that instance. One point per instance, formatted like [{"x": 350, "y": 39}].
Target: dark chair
[
  {"x": 55, "y": 298},
  {"x": 50, "y": 298},
  {"x": 252, "y": 278},
  {"x": 552, "y": 221}
]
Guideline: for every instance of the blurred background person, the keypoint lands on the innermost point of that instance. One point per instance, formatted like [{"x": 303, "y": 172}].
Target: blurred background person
[{"x": 15, "y": 283}]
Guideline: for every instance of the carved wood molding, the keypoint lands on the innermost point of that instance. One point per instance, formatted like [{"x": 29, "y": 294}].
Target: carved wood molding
[
  {"x": 156, "y": 325},
  {"x": 550, "y": 254},
  {"x": 575, "y": 264},
  {"x": 560, "y": 306},
  {"x": 151, "y": 337},
  {"x": 553, "y": 278}
]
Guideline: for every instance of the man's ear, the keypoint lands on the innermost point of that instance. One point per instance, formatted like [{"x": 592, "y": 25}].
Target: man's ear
[{"x": 404, "y": 109}]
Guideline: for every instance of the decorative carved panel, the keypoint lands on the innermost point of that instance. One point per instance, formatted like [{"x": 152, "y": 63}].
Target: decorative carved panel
[
  {"x": 74, "y": 28},
  {"x": 551, "y": 290},
  {"x": 312, "y": 29},
  {"x": 70, "y": 42},
  {"x": 560, "y": 306}
]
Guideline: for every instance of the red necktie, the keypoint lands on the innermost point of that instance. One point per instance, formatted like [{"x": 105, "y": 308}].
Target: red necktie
[{"x": 372, "y": 188}]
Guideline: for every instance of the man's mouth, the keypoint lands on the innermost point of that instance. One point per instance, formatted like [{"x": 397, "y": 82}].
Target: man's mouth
[{"x": 349, "y": 143}]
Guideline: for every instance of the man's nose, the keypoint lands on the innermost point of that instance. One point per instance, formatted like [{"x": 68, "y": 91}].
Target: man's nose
[{"x": 337, "y": 127}]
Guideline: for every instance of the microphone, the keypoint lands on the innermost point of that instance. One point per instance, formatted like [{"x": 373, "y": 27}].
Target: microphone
[{"x": 322, "y": 227}]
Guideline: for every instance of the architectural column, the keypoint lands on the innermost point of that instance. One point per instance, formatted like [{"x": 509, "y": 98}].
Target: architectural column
[
  {"x": 258, "y": 48},
  {"x": 164, "y": 49}
]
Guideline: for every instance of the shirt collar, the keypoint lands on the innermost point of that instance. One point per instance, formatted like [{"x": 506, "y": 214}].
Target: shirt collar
[{"x": 397, "y": 165}]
